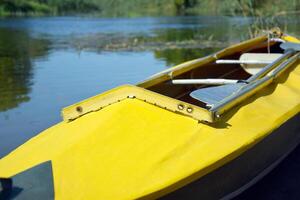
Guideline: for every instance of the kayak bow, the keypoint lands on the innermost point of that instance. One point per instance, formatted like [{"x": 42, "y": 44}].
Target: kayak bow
[{"x": 161, "y": 139}]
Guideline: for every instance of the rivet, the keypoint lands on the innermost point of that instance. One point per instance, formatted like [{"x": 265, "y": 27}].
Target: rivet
[
  {"x": 79, "y": 109},
  {"x": 189, "y": 110},
  {"x": 180, "y": 107}
]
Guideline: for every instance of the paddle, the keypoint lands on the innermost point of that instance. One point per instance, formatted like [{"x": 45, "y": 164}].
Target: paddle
[
  {"x": 290, "y": 46},
  {"x": 214, "y": 95}
]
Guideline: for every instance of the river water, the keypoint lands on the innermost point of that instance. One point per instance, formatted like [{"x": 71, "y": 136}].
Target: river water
[{"x": 48, "y": 63}]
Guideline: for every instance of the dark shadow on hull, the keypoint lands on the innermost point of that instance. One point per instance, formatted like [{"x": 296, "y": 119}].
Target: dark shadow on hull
[{"x": 240, "y": 171}]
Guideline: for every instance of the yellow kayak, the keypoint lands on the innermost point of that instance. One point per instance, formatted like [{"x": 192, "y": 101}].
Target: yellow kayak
[{"x": 205, "y": 129}]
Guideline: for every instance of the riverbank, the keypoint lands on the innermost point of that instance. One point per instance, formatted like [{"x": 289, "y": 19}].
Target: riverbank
[{"x": 137, "y": 8}]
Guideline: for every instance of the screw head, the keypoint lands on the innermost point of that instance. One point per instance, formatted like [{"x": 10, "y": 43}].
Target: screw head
[
  {"x": 180, "y": 107},
  {"x": 189, "y": 110},
  {"x": 79, "y": 109}
]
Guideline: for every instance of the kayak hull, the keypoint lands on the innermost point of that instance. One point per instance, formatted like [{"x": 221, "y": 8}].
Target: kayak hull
[{"x": 241, "y": 173}]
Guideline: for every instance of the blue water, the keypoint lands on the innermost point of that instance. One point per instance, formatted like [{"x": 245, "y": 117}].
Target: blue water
[{"x": 65, "y": 26}]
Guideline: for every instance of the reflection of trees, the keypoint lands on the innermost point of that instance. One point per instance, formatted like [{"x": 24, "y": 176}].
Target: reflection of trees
[
  {"x": 16, "y": 51},
  {"x": 199, "y": 28},
  {"x": 173, "y": 34},
  {"x": 195, "y": 35},
  {"x": 176, "y": 56}
]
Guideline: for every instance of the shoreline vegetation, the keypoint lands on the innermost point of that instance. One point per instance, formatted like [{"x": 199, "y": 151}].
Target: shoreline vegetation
[
  {"x": 136, "y": 43},
  {"x": 138, "y": 8},
  {"x": 264, "y": 15}
]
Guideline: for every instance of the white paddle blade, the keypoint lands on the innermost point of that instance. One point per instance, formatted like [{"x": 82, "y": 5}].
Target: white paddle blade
[{"x": 264, "y": 58}]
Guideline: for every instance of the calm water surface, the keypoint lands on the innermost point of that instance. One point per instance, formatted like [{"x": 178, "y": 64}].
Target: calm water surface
[{"x": 40, "y": 73}]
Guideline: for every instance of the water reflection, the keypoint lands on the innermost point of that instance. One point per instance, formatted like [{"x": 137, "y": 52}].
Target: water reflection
[
  {"x": 17, "y": 49},
  {"x": 176, "y": 56}
]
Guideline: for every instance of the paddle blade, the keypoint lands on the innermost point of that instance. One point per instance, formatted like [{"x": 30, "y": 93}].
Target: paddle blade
[
  {"x": 213, "y": 95},
  {"x": 290, "y": 45}
]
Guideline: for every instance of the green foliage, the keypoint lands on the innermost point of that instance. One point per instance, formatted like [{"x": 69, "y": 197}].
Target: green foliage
[
  {"x": 81, "y": 6},
  {"x": 132, "y": 8},
  {"x": 46, "y": 7},
  {"x": 22, "y": 6}
]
